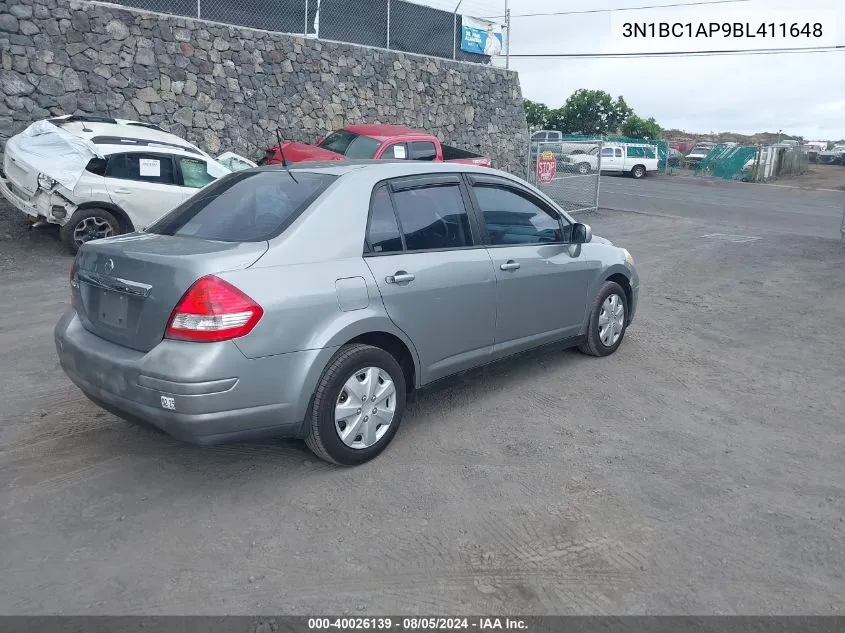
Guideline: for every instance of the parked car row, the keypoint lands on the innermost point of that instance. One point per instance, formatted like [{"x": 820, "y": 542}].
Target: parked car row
[{"x": 96, "y": 177}]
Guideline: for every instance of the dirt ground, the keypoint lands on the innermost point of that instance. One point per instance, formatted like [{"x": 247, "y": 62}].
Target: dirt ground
[
  {"x": 699, "y": 470},
  {"x": 818, "y": 177}
]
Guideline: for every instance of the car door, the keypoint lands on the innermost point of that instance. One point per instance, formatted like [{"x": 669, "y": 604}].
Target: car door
[
  {"x": 611, "y": 159},
  {"x": 434, "y": 276},
  {"x": 144, "y": 185},
  {"x": 541, "y": 288},
  {"x": 394, "y": 151}
]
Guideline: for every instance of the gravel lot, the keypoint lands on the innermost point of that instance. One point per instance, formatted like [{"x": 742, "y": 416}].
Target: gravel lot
[
  {"x": 726, "y": 204},
  {"x": 699, "y": 470}
]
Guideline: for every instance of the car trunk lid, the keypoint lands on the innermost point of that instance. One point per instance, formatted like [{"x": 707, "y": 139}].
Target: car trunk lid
[
  {"x": 48, "y": 149},
  {"x": 127, "y": 287},
  {"x": 22, "y": 178}
]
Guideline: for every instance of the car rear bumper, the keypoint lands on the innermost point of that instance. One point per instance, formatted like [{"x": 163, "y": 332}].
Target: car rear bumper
[
  {"x": 39, "y": 205},
  {"x": 201, "y": 393},
  {"x": 27, "y": 206}
]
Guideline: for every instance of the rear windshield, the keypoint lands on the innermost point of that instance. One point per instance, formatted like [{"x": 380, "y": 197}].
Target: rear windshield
[{"x": 246, "y": 206}]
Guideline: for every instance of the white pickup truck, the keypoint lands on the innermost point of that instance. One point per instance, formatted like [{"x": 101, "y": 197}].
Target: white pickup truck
[{"x": 621, "y": 158}]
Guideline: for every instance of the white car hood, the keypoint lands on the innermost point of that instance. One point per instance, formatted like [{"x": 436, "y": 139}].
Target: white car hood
[
  {"x": 50, "y": 150},
  {"x": 601, "y": 240}
]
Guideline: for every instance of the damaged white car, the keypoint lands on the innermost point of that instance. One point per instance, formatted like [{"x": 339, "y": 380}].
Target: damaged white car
[{"x": 96, "y": 177}]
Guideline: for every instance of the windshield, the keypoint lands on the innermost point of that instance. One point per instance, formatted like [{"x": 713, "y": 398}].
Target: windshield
[{"x": 350, "y": 145}]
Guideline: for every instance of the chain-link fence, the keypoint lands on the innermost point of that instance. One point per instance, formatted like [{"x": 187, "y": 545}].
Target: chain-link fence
[
  {"x": 753, "y": 163},
  {"x": 399, "y": 25},
  {"x": 568, "y": 171},
  {"x": 728, "y": 162},
  {"x": 774, "y": 161}
]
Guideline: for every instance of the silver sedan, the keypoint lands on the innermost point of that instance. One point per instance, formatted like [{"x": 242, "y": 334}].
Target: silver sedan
[{"x": 310, "y": 301}]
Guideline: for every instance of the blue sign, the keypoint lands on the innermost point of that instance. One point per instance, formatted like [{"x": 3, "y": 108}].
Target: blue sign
[{"x": 480, "y": 37}]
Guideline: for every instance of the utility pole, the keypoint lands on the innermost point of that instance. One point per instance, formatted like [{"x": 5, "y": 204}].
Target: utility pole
[
  {"x": 455, "y": 30},
  {"x": 508, "y": 33}
]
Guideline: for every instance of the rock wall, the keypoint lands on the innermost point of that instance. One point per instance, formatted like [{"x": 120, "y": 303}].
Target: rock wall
[{"x": 230, "y": 88}]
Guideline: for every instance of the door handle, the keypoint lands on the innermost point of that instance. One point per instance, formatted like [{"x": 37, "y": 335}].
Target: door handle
[
  {"x": 400, "y": 278},
  {"x": 510, "y": 265},
  {"x": 123, "y": 191}
]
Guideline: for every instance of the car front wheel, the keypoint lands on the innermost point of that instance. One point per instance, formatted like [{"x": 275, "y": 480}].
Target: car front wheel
[
  {"x": 357, "y": 407},
  {"x": 583, "y": 168},
  {"x": 608, "y": 321}
]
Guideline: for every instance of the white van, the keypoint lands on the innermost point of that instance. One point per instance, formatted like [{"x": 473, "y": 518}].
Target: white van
[{"x": 636, "y": 159}]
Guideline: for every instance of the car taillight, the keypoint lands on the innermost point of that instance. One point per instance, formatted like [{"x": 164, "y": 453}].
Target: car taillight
[{"x": 213, "y": 310}]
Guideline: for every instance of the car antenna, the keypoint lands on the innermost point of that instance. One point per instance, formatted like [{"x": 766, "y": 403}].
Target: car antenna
[
  {"x": 282, "y": 154},
  {"x": 281, "y": 151}
]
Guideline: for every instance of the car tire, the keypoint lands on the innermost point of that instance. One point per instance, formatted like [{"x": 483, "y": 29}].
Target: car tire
[
  {"x": 583, "y": 168},
  {"x": 638, "y": 171},
  {"x": 325, "y": 430},
  {"x": 597, "y": 342},
  {"x": 91, "y": 223}
]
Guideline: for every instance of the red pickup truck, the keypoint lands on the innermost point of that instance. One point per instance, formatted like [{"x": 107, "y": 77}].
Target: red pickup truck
[{"x": 365, "y": 141}]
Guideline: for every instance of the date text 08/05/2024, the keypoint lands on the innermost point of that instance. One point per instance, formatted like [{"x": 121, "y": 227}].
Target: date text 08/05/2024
[
  {"x": 416, "y": 624},
  {"x": 722, "y": 29}
]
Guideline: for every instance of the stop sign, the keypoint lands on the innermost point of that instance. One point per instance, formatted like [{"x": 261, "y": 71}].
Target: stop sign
[{"x": 546, "y": 167}]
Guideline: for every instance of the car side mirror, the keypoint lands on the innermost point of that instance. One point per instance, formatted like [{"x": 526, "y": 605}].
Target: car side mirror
[
  {"x": 320, "y": 139},
  {"x": 581, "y": 233}
]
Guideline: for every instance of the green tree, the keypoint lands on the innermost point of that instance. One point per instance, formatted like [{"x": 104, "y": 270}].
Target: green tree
[
  {"x": 590, "y": 112},
  {"x": 537, "y": 114},
  {"x": 635, "y": 127}
]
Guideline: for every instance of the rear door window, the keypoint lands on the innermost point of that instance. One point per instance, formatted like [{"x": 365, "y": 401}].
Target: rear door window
[
  {"x": 423, "y": 150},
  {"x": 383, "y": 233},
  {"x": 433, "y": 217},
  {"x": 246, "y": 206},
  {"x": 142, "y": 167}
]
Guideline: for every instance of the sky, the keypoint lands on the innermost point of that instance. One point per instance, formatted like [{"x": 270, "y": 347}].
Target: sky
[{"x": 799, "y": 93}]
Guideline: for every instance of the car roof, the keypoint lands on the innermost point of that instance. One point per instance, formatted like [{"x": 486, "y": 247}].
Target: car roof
[
  {"x": 98, "y": 129},
  {"x": 110, "y": 149},
  {"x": 382, "y": 132},
  {"x": 382, "y": 168}
]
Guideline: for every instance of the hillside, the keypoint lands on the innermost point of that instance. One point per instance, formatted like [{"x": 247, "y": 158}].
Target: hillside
[{"x": 762, "y": 138}]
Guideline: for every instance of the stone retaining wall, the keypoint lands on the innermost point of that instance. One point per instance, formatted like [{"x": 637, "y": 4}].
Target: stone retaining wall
[{"x": 230, "y": 88}]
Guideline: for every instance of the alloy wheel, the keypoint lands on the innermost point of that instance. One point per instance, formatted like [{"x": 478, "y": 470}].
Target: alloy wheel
[{"x": 93, "y": 228}]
